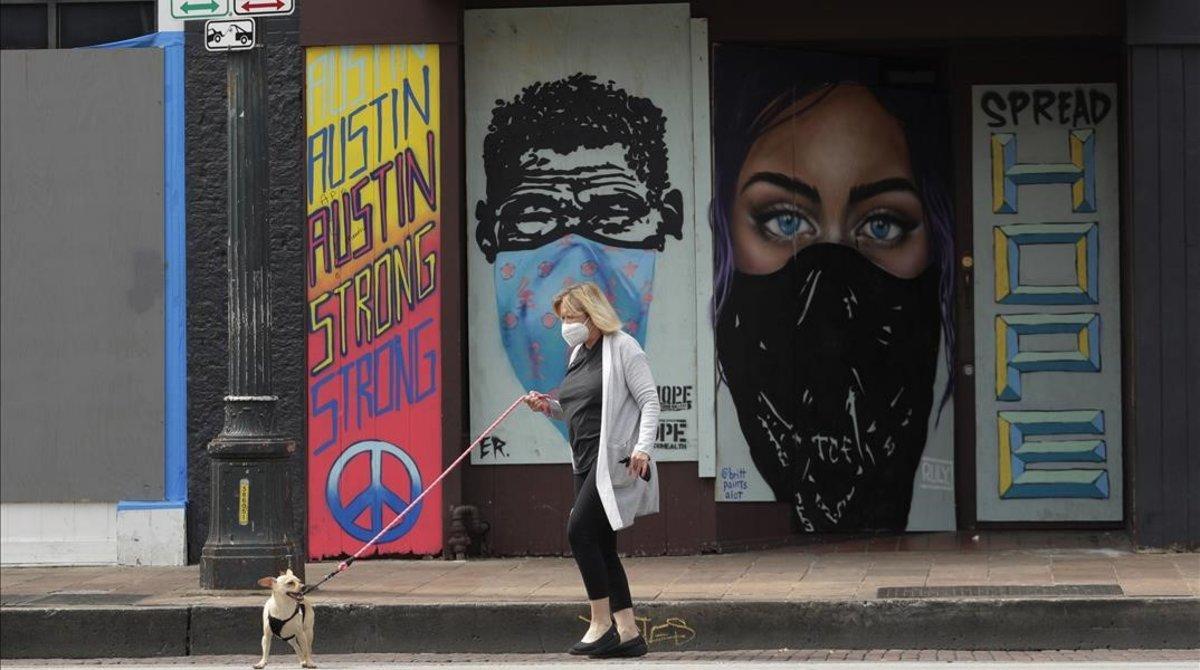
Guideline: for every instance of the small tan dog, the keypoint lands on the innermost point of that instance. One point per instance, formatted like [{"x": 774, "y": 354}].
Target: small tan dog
[{"x": 287, "y": 617}]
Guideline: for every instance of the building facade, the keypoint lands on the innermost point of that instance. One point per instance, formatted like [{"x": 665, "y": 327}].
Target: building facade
[
  {"x": 969, "y": 349},
  {"x": 896, "y": 268}
]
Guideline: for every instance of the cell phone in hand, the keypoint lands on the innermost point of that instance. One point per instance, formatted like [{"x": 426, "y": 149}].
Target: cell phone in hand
[{"x": 625, "y": 462}]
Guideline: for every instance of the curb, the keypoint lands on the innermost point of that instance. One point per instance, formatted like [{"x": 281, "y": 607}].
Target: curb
[
  {"x": 28, "y": 632},
  {"x": 1002, "y": 625}
]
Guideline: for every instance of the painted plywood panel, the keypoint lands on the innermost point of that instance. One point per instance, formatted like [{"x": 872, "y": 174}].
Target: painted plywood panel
[
  {"x": 1045, "y": 184},
  {"x": 579, "y": 169},
  {"x": 373, "y": 280},
  {"x": 833, "y": 287},
  {"x": 82, "y": 306}
]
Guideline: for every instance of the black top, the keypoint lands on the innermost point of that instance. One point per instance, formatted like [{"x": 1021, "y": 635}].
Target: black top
[{"x": 581, "y": 398}]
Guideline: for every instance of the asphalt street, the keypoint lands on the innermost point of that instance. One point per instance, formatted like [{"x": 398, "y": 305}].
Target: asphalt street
[
  {"x": 686, "y": 665},
  {"x": 1155, "y": 660}
]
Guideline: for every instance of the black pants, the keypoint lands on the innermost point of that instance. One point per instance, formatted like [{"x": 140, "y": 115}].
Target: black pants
[{"x": 594, "y": 543}]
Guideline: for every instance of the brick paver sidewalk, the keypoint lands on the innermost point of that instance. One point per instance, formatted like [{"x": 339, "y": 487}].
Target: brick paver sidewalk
[{"x": 853, "y": 569}]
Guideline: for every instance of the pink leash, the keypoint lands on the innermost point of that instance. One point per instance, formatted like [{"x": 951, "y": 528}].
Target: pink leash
[{"x": 486, "y": 431}]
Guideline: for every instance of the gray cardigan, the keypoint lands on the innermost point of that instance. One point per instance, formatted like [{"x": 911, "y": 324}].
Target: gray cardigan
[{"x": 628, "y": 422}]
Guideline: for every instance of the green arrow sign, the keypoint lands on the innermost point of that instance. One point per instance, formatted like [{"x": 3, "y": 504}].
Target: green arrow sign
[
  {"x": 199, "y": 9},
  {"x": 189, "y": 7}
]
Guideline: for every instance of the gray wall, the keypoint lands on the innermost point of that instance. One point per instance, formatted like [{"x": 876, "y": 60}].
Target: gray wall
[
  {"x": 1164, "y": 170},
  {"x": 82, "y": 278},
  {"x": 207, "y": 217}
]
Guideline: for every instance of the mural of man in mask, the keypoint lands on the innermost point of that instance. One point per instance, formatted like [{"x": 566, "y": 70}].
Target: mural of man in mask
[
  {"x": 577, "y": 190},
  {"x": 833, "y": 289}
]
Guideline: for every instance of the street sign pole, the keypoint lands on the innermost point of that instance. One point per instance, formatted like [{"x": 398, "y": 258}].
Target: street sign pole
[{"x": 250, "y": 523}]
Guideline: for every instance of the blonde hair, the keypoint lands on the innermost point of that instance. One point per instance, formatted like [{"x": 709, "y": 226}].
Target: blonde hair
[{"x": 587, "y": 299}]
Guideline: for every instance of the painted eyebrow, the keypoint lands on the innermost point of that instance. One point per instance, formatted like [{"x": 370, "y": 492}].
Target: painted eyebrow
[
  {"x": 864, "y": 191},
  {"x": 785, "y": 182}
]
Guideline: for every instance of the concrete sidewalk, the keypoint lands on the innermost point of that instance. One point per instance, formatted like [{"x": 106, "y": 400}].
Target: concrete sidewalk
[
  {"x": 1023, "y": 590},
  {"x": 847, "y": 570}
]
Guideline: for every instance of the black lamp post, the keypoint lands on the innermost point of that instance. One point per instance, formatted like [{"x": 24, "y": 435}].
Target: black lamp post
[{"x": 250, "y": 534}]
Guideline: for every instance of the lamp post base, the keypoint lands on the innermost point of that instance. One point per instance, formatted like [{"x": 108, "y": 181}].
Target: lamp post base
[
  {"x": 241, "y": 566},
  {"x": 251, "y": 533}
]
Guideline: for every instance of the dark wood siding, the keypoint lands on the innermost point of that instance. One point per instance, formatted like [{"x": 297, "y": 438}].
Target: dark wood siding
[
  {"x": 330, "y": 22},
  {"x": 887, "y": 22},
  {"x": 1160, "y": 22},
  {"x": 453, "y": 277},
  {"x": 528, "y": 506},
  {"x": 1164, "y": 171}
]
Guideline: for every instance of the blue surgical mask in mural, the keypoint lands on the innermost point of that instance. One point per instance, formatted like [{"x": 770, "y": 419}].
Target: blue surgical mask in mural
[{"x": 526, "y": 283}]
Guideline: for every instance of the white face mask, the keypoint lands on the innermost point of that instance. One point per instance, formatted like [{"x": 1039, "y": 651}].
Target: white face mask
[{"x": 575, "y": 333}]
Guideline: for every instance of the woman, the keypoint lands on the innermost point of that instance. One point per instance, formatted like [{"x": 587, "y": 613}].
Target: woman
[
  {"x": 610, "y": 405},
  {"x": 833, "y": 280}
]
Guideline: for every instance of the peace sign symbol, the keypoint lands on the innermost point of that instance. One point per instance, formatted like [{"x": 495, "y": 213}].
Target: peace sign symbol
[{"x": 376, "y": 497}]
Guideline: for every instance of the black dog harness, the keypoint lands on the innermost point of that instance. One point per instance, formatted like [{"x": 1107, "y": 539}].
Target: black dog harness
[{"x": 277, "y": 624}]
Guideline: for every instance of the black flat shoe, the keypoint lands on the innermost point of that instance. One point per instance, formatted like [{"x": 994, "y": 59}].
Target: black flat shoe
[
  {"x": 605, "y": 642},
  {"x": 628, "y": 649}
]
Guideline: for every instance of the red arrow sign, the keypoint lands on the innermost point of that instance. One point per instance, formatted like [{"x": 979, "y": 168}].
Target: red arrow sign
[{"x": 250, "y": 6}]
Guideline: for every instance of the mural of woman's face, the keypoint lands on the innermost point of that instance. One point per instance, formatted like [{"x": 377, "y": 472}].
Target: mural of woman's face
[
  {"x": 828, "y": 336},
  {"x": 837, "y": 172}
]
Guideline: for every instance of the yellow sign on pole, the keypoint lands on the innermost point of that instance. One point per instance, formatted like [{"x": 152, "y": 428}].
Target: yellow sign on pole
[{"x": 244, "y": 502}]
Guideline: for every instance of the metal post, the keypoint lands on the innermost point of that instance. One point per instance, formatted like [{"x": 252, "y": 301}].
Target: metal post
[{"x": 250, "y": 534}]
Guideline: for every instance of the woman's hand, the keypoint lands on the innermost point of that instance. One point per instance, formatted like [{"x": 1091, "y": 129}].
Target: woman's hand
[
  {"x": 639, "y": 464},
  {"x": 538, "y": 402}
]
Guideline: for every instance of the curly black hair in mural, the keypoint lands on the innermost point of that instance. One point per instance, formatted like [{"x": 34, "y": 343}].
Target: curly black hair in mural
[
  {"x": 572, "y": 113},
  {"x": 567, "y": 115}
]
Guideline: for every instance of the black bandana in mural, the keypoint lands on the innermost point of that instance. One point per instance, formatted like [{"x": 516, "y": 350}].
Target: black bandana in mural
[{"x": 830, "y": 361}]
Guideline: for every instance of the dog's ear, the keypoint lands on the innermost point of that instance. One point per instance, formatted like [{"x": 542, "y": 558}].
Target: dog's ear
[
  {"x": 289, "y": 573},
  {"x": 266, "y": 582}
]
